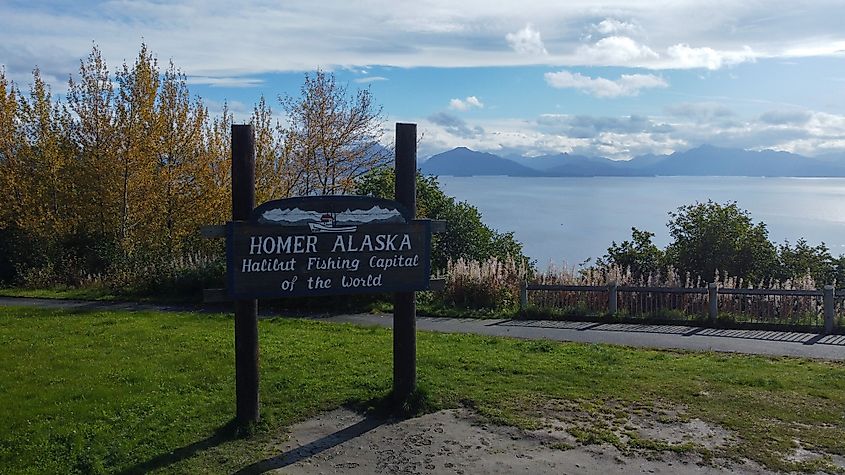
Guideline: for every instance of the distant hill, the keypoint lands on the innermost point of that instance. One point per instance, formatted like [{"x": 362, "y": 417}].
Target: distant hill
[
  {"x": 645, "y": 162},
  {"x": 547, "y": 162},
  {"x": 709, "y": 160},
  {"x": 579, "y": 165},
  {"x": 705, "y": 160},
  {"x": 564, "y": 164},
  {"x": 462, "y": 161}
]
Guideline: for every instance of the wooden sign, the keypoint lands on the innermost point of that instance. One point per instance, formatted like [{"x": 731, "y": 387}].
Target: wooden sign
[
  {"x": 323, "y": 245},
  {"x": 327, "y": 245}
]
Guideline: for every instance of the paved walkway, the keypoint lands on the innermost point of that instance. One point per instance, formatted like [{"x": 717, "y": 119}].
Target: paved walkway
[{"x": 762, "y": 342}]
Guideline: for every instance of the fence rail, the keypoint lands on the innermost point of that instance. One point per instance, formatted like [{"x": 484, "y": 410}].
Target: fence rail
[{"x": 760, "y": 305}]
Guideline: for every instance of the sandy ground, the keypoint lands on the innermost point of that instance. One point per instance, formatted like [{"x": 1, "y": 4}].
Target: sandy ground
[{"x": 457, "y": 441}]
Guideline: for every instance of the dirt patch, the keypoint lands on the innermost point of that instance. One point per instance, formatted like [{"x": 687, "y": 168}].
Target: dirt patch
[
  {"x": 628, "y": 427},
  {"x": 458, "y": 441},
  {"x": 811, "y": 457}
]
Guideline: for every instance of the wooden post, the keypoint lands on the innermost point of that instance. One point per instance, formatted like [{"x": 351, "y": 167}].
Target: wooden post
[
  {"x": 246, "y": 311},
  {"x": 713, "y": 294},
  {"x": 828, "y": 309},
  {"x": 523, "y": 296},
  {"x": 611, "y": 298},
  {"x": 404, "y": 304}
]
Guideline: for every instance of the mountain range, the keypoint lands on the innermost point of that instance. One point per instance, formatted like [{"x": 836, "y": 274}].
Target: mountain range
[{"x": 706, "y": 160}]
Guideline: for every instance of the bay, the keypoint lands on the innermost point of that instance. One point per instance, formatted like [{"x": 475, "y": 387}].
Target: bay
[{"x": 569, "y": 220}]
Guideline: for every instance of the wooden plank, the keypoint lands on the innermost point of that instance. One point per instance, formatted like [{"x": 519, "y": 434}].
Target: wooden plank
[
  {"x": 246, "y": 311},
  {"x": 569, "y": 288},
  {"x": 215, "y": 296},
  {"x": 786, "y": 293},
  {"x": 404, "y": 303},
  {"x": 676, "y": 290},
  {"x": 664, "y": 290},
  {"x": 438, "y": 226},
  {"x": 437, "y": 284},
  {"x": 214, "y": 231}
]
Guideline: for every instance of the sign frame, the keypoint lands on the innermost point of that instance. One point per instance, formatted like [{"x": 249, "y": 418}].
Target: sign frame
[{"x": 422, "y": 229}]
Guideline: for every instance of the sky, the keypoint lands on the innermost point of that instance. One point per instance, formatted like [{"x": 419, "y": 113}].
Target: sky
[{"x": 610, "y": 78}]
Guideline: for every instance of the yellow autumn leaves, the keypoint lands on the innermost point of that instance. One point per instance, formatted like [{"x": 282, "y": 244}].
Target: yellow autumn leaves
[{"x": 130, "y": 164}]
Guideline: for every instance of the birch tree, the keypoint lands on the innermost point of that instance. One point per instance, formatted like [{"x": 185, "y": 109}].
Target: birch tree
[
  {"x": 42, "y": 161},
  {"x": 332, "y": 135},
  {"x": 91, "y": 97},
  {"x": 272, "y": 175},
  {"x": 9, "y": 144},
  {"x": 217, "y": 190},
  {"x": 136, "y": 159},
  {"x": 182, "y": 164}
]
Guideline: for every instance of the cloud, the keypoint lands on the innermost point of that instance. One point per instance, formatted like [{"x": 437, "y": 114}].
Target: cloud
[
  {"x": 805, "y": 132},
  {"x": 684, "y": 56},
  {"x": 531, "y": 138},
  {"x": 618, "y": 50},
  {"x": 471, "y": 102},
  {"x": 623, "y": 137},
  {"x": 626, "y": 85},
  {"x": 585, "y": 126},
  {"x": 455, "y": 125},
  {"x": 370, "y": 79},
  {"x": 702, "y": 113},
  {"x": 612, "y": 26},
  {"x": 785, "y": 117},
  {"x": 527, "y": 41},
  {"x": 240, "y": 111},
  {"x": 810, "y": 48},
  {"x": 211, "y": 39},
  {"x": 502, "y": 136}
]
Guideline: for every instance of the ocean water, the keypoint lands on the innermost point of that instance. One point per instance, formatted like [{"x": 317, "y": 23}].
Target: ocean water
[{"x": 570, "y": 220}]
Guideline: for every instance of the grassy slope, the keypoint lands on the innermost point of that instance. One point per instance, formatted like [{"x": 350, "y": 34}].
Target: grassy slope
[{"x": 114, "y": 391}]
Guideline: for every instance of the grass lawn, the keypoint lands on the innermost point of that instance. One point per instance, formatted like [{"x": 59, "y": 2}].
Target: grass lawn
[
  {"x": 80, "y": 293},
  {"x": 114, "y": 391},
  {"x": 102, "y": 293}
]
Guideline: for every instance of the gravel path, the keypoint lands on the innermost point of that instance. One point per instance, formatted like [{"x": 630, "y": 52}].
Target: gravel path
[{"x": 760, "y": 342}]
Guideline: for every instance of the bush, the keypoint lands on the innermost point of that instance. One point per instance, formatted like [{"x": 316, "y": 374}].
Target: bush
[
  {"x": 715, "y": 242},
  {"x": 640, "y": 256},
  {"x": 182, "y": 277},
  {"x": 710, "y": 236}
]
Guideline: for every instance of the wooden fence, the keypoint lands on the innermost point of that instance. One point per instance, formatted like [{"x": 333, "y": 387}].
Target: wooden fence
[{"x": 805, "y": 308}]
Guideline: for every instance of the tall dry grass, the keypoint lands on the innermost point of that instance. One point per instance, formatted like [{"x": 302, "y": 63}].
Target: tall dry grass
[
  {"x": 492, "y": 283},
  {"x": 177, "y": 277},
  {"x": 495, "y": 284}
]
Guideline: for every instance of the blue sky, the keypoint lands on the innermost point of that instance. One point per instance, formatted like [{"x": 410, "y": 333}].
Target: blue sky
[{"x": 611, "y": 78}]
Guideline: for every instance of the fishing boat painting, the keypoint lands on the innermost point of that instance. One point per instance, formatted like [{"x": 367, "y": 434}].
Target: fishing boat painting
[
  {"x": 331, "y": 214},
  {"x": 328, "y": 224}
]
